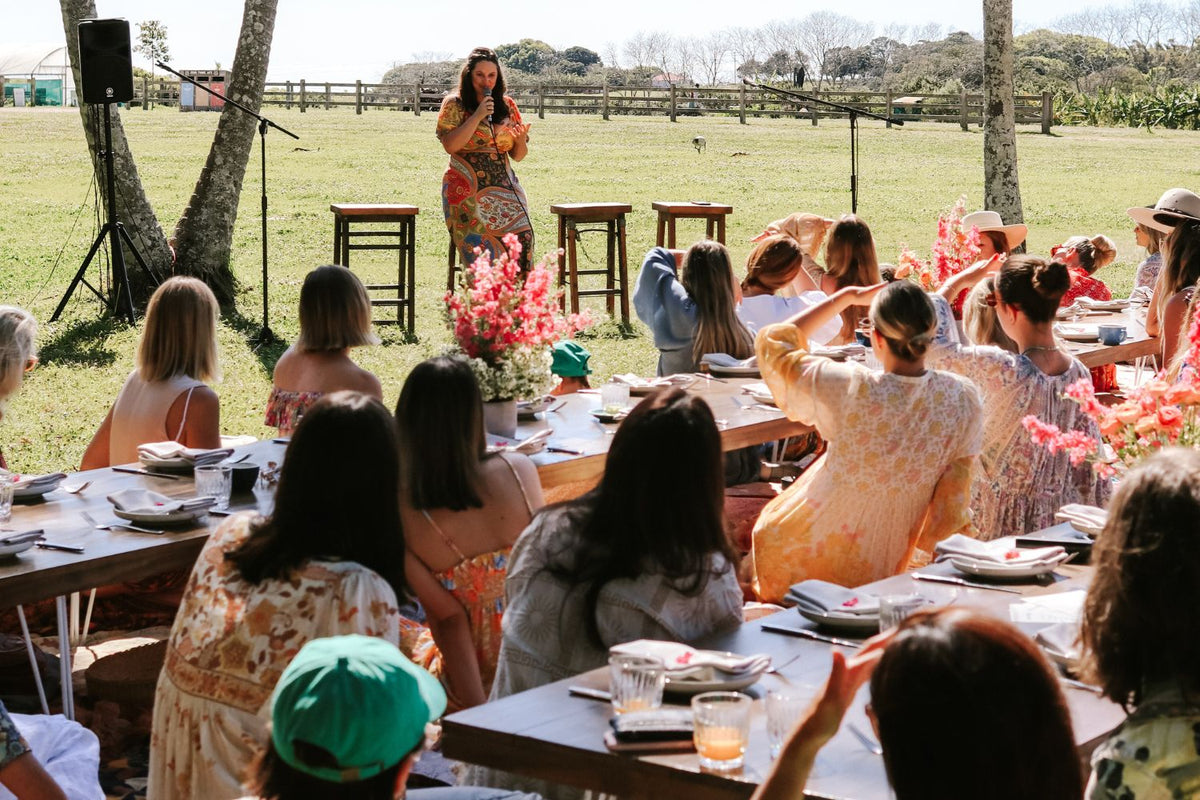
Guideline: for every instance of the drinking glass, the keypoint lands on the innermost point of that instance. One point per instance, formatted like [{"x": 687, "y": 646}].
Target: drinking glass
[
  {"x": 215, "y": 481},
  {"x": 636, "y": 683},
  {"x": 614, "y": 397},
  {"x": 721, "y": 729},
  {"x": 893, "y": 608},
  {"x": 785, "y": 707},
  {"x": 6, "y": 498}
]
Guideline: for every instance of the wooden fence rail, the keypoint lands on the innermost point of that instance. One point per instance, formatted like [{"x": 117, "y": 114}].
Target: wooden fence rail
[{"x": 674, "y": 101}]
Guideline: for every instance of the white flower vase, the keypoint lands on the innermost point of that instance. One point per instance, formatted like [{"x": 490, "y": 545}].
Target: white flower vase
[{"x": 500, "y": 418}]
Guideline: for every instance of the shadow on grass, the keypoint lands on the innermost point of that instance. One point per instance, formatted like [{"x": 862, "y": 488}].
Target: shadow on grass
[
  {"x": 1051, "y": 134},
  {"x": 610, "y": 328},
  {"x": 396, "y": 334},
  {"x": 267, "y": 352},
  {"x": 83, "y": 343}
]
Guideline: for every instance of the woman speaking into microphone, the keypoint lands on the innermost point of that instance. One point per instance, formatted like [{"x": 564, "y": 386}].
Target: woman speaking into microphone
[{"x": 480, "y": 127}]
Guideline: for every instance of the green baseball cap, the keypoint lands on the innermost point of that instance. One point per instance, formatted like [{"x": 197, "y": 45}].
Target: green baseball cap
[
  {"x": 570, "y": 360},
  {"x": 358, "y": 698}
]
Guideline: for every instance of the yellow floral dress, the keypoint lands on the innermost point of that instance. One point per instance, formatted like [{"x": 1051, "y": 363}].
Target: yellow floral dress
[
  {"x": 228, "y": 647},
  {"x": 481, "y": 197},
  {"x": 896, "y": 477}
]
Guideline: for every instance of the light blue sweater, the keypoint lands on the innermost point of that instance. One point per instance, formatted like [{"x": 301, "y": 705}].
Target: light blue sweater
[{"x": 663, "y": 304}]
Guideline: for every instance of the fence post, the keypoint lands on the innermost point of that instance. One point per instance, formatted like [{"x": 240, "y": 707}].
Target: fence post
[
  {"x": 1047, "y": 111},
  {"x": 145, "y": 93},
  {"x": 32, "y": 91},
  {"x": 742, "y": 103},
  {"x": 671, "y": 113},
  {"x": 358, "y": 97},
  {"x": 303, "y": 96},
  {"x": 289, "y": 95},
  {"x": 327, "y": 96},
  {"x": 604, "y": 107},
  {"x": 817, "y": 94},
  {"x": 963, "y": 120},
  {"x": 887, "y": 110},
  {"x": 541, "y": 101},
  {"x": 416, "y": 99}
]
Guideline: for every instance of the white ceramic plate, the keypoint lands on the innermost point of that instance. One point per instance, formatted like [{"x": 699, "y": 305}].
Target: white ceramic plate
[
  {"x": 682, "y": 381},
  {"x": 37, "y": 489},
  {"x": 604, "y": 416},
  {"x": 988, "y": 569},
  {"x": 171, "y": 518},
  {"x": 765, "y": 399},
  {"x": 526, "y": 409},
  {"x": 1078, "y": 333},
  {"x": 167, "y": 464},
  {"x": 7, "y": 550},
  {"x": 734, "y": 372},
  {"x": 847, "y": 622},
  {"x": 725, "y": 683}
]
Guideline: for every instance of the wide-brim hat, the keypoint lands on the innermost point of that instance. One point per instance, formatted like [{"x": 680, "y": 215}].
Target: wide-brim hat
[
  {"x": 1174, "y": 206},
  {"x": 986, "y": 221}
]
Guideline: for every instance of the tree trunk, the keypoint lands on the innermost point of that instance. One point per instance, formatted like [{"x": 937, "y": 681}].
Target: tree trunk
[
  {"x": 204, "y": 235},
  {"x": 133, "y": 209},
  {"x": 1001, "y": 189}
]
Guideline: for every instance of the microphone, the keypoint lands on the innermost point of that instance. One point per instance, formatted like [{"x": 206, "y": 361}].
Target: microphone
[{"x": 488, "y": 119}]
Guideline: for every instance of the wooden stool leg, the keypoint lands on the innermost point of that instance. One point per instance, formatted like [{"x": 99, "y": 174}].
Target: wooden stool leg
[
  {"x": 660, "y": 239},
  {"x": 345, "y": 259},
  {"x": 451, "y": 259},
  {"x": 671, "y": 232},
  {"x": 708, "y": 227},
  {"x": 721, "y": 229},
  {"x": 562, "y": 261},
  {"x": 337, "y": 239},
  {"x": 411, "y": 251},
  {"x": 610, "y": 265},
  {"x": 623, "y": 265},
  {"x": 573, "y": 265}
]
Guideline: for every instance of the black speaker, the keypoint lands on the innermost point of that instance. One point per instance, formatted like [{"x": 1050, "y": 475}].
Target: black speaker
[{"x": 105, "y": 61}]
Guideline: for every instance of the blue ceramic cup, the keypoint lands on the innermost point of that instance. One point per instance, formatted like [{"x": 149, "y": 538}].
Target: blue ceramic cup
[{"x": 1112, "y": 335}]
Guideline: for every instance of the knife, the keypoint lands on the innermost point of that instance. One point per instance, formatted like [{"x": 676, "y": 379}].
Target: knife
[
  {"x": 921, "y": 576},
  {"x": 134, "y": 471},
  {"x": 807, "y": 634},
  {"x": 590, "y": 693},
  {"x": 69, "y": 548}
]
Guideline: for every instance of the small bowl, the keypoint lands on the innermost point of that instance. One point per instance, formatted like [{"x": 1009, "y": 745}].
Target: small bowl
[{"x": 244, "y": 477}]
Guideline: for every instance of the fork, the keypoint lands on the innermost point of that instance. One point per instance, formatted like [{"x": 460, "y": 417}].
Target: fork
[
  {"x": 121, "y": 525},
  {"x": 76, "y": 489}
]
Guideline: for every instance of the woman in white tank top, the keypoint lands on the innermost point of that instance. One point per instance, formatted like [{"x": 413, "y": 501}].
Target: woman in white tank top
[{"x": 166, "y": 398}]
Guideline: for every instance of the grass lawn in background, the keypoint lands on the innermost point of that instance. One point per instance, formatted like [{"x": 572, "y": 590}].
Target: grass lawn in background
[{"x": 1077, "y": 181}]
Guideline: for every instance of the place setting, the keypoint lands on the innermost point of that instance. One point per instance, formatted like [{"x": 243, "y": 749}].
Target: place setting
[
  {"x": 1001, "y": 559},
  {"x": 726, "y": 366},
  {"x": 29, "y": 487},
  {"x": 137, "y": 508},
  {"x": 640, "y": 387}
]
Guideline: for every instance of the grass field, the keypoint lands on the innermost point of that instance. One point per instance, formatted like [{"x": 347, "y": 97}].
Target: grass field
[{"x": 1079, "y": 180}]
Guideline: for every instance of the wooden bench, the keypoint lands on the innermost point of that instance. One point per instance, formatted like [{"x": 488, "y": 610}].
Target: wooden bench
[
  {"x": 669, "y": 212},
  {"x": 616, "y": 267},
  {"x": 404, "y": 217}
]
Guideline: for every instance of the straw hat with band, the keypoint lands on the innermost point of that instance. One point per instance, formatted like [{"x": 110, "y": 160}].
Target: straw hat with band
[
  {"x": 986, "y": 221},
  {"x": 359, "y": 699},
  {"x": 1174, "y": 206}
]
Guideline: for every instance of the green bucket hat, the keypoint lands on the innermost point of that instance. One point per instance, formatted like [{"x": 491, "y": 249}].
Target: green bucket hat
[
  {"x": 356, "y": 697},
  {"x": 570, "y": 360}
]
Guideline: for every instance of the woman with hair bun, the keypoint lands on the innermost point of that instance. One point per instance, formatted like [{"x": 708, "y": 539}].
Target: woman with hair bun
[
  {"x": 1083, "y": 257},
  {"x": 902, "y": 442},
  {"x": 1022, "y": 484},
  {"x": 777, "y": 263}
]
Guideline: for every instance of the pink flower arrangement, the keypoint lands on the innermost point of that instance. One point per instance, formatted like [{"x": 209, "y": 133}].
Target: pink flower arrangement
[
  {"x": 953, "y": 250},
  {"x": 1158, "y": 414},
  {"x": 500, "y": 317}
]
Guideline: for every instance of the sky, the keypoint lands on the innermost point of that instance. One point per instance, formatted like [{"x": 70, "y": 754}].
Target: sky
[{"x": 347, "y": 40}]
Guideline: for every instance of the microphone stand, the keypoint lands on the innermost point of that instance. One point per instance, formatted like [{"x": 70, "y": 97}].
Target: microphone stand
[
  {"x": 265, "y": 336},
  {"x": 852, "y": 112}
]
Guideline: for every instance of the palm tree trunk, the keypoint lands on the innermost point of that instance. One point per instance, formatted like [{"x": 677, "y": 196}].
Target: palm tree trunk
[
  {"x": 204, "y": 235},
  {"x": 133, "y": 209},
  {"x": 1001, "y": 189}
]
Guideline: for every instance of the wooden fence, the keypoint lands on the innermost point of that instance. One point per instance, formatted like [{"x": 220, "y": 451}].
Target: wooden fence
[{"x": 673, "y": 102}]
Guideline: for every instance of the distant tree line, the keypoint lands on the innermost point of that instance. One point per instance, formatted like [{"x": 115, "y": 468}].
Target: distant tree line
[{"x": 1145, "y": 46}]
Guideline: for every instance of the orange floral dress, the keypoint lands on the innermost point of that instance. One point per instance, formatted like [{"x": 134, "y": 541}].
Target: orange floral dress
[
  {"x": 228, "y": 647},
  {"x": 481, "y": 197},
  {"x": 896, "y": 477}
]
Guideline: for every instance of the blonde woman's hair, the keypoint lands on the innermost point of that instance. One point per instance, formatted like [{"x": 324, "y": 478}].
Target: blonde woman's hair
[
  {"x": 17, "y": 331},
  {"x": 905, "y": 317},
  {"x": 1094, "y": 252},
  {"x": 980, "y": 320},
  {"x": 180, "y": 337},
  {"x": 1154, "y": 237},
  {"x": 708, "y": 279},
  {"x": 851, "y": 261},
  {"x": 335, "y": 312}
]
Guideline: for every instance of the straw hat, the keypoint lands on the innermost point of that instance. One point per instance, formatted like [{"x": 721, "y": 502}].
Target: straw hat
[
  {"x": 990, "y": 221},
  {"x": 1173, "y": 206}
]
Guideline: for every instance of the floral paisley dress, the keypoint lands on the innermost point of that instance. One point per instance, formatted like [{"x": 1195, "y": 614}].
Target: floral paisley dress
[{"x": 481, "y": 197}]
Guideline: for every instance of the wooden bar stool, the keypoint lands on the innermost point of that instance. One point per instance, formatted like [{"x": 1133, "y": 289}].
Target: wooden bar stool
[
  {"x": 405, "y": 235},
  {"x": 616, "y": 270},
  {"x": 454, "y": 265},
  {"x": 713, "y": 215}
]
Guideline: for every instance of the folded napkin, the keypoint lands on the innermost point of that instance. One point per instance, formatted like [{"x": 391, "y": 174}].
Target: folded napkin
[
  {"x": 21, "y": 538},
  {"x": 164, "y": 450},
  {"x": 27, "y": 481},
  {"x": 679, "y": 658},
  {"x": 530, "y": 445},
  {"x": 144, "y": 501},
  {"x": 997, "y": 552},
  {"x": 726, "y": 360},
  {"x": 536, "y": 404},
  {"x": 825, "y": 597},
  {"x": 1089, "y": 302},
  {"x": 1060, "y": 640},
  {"x": 756, "y": 388},
  {"x": 638, "y": 382},
  {"x": 1088, "y": 519}
]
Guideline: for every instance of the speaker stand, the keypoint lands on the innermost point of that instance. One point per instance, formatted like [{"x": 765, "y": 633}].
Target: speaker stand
[{"x": 122, "y": 300}]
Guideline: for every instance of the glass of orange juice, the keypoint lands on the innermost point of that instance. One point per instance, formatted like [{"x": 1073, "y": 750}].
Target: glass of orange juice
[
  {"x": 636, "y": 683},
  {"x": 721, "y": 729}
]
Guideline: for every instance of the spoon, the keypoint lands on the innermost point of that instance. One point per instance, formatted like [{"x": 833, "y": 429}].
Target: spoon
[{"x": 77, "y": 489}]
